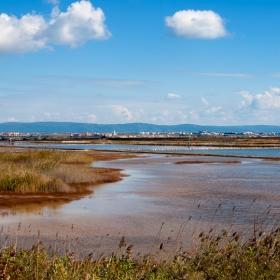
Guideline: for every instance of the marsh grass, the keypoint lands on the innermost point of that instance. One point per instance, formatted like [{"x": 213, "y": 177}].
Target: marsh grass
[
  {"x": 230, "y": 253},
  {"x": 39, "y": 172},
  {"x": 222, "y": 256}
]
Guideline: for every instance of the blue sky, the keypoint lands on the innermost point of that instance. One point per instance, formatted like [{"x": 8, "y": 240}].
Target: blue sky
[{"x": 162, "y": 62}]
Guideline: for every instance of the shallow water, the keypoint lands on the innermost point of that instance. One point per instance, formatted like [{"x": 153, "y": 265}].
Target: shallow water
[
  {"x": 206, "y": 150},
  {"x": 157, "y": 191}
]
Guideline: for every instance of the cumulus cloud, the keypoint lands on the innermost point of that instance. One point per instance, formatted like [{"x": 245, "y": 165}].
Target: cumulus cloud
[
  {"x": 275, "y": 90},
  {"x": 80, "y": 23},
  {"x": 173, "y": 96},
  {"x": 20, "y": 35},
  {"x": 122, "y": 112},
  {"x": 193, "y": 24},
  {"x": 268, "y": 101},
  {"x": 246, "y": 95}
]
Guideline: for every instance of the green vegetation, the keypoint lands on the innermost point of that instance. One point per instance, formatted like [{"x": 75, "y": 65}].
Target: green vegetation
[{"x": 220, "y": 257}]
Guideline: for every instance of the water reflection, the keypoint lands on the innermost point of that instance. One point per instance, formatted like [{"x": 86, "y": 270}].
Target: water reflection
[{"x": 29, "y": 210}]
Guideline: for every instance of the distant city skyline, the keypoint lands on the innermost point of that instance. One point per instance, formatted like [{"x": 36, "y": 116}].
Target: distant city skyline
[{"x": 161, "y": 62}]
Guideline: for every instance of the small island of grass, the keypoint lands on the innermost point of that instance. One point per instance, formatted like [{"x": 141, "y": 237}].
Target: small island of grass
[{"x": 37, "y": 176}]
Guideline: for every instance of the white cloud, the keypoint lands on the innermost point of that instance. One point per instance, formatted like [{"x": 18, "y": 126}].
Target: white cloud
[
  {"x": 275, "y": 90},
  {"x": 122, "y": 112},
  {"x": 246, "y": 95},
  {"x": 20, "y": 35},
  {"x": 268, "y": 101},
  {"x": 204, "y": 101},
  {"x": 80, "y": 23},
  {"x": 196, "y": 24},
  {"x": 173, "y": 96},
  {"x": 213, "y": 110}
]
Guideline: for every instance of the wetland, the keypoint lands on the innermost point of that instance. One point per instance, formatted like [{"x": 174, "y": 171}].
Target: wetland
[
  {"x": 126, "y": 214},
  {"x": 134, "y": 194}
]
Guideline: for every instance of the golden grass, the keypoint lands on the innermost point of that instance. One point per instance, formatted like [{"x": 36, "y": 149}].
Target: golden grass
[
  {"x": 42, "y": 171},
  {"x": 54, "y": 173}
]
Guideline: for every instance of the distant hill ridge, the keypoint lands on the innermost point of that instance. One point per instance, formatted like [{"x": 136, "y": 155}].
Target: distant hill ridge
[{"x": 71, "y": 127}]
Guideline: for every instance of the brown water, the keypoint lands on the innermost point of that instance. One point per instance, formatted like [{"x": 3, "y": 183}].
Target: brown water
[{"x": 215, "y": 195}]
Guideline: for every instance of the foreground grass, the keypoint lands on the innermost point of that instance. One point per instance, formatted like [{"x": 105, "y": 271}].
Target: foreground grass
[{"x": 221, "y": 257}]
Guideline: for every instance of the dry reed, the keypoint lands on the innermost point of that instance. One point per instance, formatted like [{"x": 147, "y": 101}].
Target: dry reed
[{"x": 53, "y": 172}]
